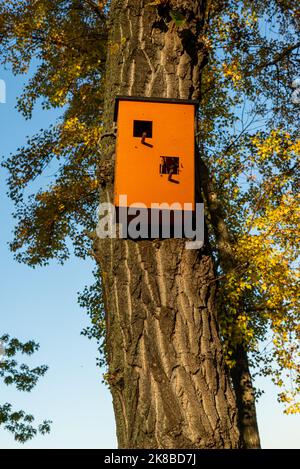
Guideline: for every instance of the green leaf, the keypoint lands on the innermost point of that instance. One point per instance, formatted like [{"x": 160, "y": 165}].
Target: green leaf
[{"x": 178, "y": 18}]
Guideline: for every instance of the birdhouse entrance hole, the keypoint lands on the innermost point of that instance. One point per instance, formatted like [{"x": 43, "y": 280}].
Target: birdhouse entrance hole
[
  {"x": 142, "y": 128},
  {"x": 169, "y": 165}
]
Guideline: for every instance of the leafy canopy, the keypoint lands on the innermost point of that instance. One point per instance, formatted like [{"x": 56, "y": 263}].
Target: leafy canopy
[
  {"x": 20, "y": 424},
  {"x": 248, "y": 133}
]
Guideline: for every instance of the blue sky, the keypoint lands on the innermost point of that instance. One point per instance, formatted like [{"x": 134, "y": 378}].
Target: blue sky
[{"x": 42, "y": 304}]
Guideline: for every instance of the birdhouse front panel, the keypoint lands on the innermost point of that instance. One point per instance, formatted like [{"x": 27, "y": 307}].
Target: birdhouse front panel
[{"x": 155, "y": 153}]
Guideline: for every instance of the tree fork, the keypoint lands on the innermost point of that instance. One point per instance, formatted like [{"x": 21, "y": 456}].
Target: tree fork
[{"x": 167, "y": 375}]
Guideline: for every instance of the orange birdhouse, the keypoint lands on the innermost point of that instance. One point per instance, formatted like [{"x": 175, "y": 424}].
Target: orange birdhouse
[{"x": 155, "y": 152}]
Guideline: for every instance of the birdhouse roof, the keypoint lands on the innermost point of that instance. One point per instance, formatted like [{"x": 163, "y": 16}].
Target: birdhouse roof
[{"x": 152, "y": 100}]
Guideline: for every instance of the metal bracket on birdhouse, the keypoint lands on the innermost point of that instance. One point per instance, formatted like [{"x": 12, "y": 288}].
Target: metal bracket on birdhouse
[
  {"x": 143, "y": 141},
  {"x": 170, "y": 179}
]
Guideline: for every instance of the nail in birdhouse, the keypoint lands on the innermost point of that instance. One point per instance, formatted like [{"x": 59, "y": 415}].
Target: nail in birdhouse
[{"x": 155, "y": 152}]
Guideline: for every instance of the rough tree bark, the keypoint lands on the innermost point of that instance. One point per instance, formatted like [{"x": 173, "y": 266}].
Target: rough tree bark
[
  {"x": 169, "y": 383},
  {"x": 244, "y": 391}
]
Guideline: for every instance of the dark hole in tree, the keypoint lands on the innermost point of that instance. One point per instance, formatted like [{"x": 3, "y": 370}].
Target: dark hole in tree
[
  {"x": 169, "y": 165},
  {"x": 142, "y": 127}
]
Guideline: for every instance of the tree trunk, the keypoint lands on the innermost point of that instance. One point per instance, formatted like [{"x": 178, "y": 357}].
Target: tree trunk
[
  {"x": 167, "y": 376},
  {"x": 244, "y": 392}
]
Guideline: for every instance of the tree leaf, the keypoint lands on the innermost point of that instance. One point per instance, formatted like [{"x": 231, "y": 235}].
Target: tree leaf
[{"x": 178, "y": 18}]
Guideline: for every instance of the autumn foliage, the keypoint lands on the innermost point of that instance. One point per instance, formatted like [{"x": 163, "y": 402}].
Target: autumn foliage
[{"x": 248, "y": 136}]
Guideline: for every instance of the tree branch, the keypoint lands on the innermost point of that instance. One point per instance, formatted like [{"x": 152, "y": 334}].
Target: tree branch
[
  {"x": 97, "y": 9},
  {"x": 278, "y": 57}
]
